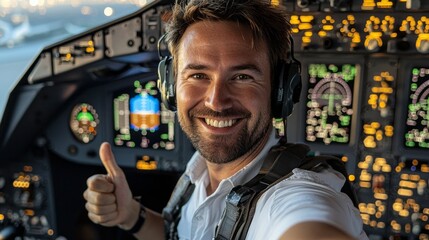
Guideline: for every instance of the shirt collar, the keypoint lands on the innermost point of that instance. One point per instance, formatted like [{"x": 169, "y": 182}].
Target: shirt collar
[{"x": 196, "y": 166}]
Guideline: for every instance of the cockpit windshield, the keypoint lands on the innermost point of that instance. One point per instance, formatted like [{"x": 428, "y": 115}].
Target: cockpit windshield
[{"x": 27, "y": 26}]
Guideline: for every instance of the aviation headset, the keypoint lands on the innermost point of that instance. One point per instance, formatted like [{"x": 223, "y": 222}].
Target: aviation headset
[{"x": 286, "y": 86}]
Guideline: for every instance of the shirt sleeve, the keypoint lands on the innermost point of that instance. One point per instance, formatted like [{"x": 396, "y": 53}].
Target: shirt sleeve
[{"x": 309, "y": 196}]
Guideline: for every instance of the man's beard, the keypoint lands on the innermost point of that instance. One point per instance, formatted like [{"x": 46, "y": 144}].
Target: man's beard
[{"x": 224, "y": 149}]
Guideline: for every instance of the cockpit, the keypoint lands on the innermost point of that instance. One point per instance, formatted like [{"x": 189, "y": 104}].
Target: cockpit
[{"x": 364, "y": 99}]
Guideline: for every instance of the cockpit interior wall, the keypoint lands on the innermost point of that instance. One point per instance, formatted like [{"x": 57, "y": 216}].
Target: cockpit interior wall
[{"x": 365, "y": 71}]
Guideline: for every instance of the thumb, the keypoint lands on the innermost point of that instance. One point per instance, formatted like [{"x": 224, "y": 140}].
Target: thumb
[
  {"x": 109, "y": 162},
  {"x": 122, "y": 191}
]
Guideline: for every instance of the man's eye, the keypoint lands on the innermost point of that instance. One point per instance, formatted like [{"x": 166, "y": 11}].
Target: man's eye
[
  {"x": 199, "y": 76},
  {"x": 242, "y": 77}
]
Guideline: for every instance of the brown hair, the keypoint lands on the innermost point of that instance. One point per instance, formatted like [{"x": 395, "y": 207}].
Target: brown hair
[{"x": 267, "y": 22}]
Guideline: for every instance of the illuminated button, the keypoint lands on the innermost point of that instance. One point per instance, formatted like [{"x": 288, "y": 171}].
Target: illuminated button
[
  {"x": 368, "y": 5},
  {"x": 404, "y": 213},
  {"x": 381, "y": 196},
  {"x": 386, "y": 168},
  {"x": 307, "y": 18},
  {"x": 305, "y": 26},
  {"x": 294, "y": 20},
  {"x": 363, "y": 165},
  {"x": 405, "y": 192},
  {"x": 146, "y": 163},
  {"x": 381, "y": 225}
]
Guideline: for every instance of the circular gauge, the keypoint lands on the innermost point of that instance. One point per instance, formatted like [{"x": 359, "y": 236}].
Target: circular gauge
[
  {"x": 330, "y": 102},
  {"x": 83, "y": 122}
]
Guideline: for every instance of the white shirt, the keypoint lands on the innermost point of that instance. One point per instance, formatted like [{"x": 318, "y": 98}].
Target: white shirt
[{"x": 305, "y": 196}]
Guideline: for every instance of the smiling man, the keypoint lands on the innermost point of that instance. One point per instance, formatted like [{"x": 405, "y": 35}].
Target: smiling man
[
  {"x": 223, "y": 95},
  {"x": 227, "y": 56}
]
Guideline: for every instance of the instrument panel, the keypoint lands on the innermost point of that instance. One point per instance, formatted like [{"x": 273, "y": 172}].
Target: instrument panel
[
  {"x": 129, "y": 115},
  {"x": 375, "y": 124}
]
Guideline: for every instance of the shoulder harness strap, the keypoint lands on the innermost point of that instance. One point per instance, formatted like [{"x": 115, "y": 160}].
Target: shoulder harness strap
[
  {"x": 239, "y": 201},
  {"x": 172, "y": 212}
]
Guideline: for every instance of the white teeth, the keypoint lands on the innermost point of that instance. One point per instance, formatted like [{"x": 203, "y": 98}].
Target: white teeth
[{"x": 220, "y": 123}]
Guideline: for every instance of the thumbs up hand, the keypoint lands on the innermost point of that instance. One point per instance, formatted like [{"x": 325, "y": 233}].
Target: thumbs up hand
[{"x": 109, "y": 198}]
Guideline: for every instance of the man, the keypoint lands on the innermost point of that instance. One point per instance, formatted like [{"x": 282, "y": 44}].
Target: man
[{"x": 226, "y": 55}]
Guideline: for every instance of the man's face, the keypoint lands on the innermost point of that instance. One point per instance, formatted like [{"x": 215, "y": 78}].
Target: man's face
[{"x": 223, "y": 89}]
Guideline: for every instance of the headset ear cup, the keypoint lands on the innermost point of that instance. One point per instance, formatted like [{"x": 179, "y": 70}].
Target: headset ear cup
[
  {"x": 166, "y": 83},
  {"x": 293, "y": 88},
  {"x": 277, "y": 92},
  {"x": 286, "y": 89}
]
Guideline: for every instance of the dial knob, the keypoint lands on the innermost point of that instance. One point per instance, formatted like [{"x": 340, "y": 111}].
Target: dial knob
[
  {"x": 422, "y": 43},
  {"x": 372, "y": 44}
]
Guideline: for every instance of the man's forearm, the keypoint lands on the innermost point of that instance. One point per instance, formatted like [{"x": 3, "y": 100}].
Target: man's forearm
[{"x": 314, "y": 230}]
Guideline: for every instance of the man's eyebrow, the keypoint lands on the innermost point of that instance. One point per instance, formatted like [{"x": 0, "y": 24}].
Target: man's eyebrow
[
  {"x": 250, "y": 66},
  {"x": 192, "y": 66}
]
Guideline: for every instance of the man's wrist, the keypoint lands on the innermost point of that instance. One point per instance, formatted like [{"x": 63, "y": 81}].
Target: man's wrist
[
  {"x": 140, "y": 221},
  {"x": 133, "y": 215}
]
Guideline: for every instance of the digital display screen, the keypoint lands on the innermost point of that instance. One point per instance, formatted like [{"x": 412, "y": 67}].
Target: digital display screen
[
  {"x": 329, "y": 106},
  {"x": 417, "y": 124},
  {"x": 140, "y": 120}
]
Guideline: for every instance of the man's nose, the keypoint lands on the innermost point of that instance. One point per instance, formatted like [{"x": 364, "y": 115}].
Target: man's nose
[{"x": 218, "y": 96}]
